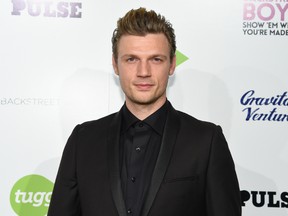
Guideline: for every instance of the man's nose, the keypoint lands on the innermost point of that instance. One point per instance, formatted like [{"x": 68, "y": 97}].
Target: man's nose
[{"x": 143, "y": 69}]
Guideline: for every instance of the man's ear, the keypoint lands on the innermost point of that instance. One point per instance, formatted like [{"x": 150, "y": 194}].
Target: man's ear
[
  {"x": 172, "y": 66},
  {"x": 114, "y": 63}
]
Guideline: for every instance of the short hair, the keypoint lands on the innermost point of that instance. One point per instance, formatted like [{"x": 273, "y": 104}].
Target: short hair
[{"x": 141, "y": 22}]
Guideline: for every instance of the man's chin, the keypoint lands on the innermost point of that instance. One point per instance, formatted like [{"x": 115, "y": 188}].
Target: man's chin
[
  {"x": 142, "y": 101},
  {"x": 145, "y": 101}
]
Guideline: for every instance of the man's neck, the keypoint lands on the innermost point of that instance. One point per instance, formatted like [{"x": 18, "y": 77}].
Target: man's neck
[{"x": 142, "y": 111}]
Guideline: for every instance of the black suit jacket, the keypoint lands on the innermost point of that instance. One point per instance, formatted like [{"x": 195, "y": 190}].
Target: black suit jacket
[{"x": 193, "y": 176}]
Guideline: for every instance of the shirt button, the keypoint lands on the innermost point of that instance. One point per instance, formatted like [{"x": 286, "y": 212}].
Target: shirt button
[
  {"x": 129, "y": 211},
  {"x": 141, "y": 125},
  {"x": 133, "y": 179},
  {"x": 138, "y": 149}
]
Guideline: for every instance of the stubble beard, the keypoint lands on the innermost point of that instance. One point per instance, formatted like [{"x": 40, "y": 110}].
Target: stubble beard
[{"x": 142, "y": 101}]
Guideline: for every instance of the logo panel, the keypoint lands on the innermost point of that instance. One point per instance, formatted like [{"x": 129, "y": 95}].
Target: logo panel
[{"x": 31, "y": 195}]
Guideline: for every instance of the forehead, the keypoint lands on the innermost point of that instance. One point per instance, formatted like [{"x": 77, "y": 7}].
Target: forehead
[{"x": 148, "y": 44}]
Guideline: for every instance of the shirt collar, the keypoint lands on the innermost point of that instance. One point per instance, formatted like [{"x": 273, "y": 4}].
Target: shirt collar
[{"x": 156, "y": 120}]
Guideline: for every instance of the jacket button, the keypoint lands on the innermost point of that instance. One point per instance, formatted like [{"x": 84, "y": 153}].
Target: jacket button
[
  {"x": 133, "y": 179},
  {"x": 129, "y": 211}
]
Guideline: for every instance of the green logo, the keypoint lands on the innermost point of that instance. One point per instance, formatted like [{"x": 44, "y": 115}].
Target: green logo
[
  {"x": 180, "y": 58},
  {"x": 30, "y": 195}
]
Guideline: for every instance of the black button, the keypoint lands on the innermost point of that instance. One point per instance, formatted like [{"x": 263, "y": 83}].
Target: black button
[
  {"x": 129, "y": 211},
  {"x": 138, "y": 149},
  {"x": 133, "y": 179},
  {"x": 141, "y": 124}
]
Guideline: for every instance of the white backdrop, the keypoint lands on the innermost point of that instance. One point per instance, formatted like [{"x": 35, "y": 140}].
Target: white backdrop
[{"x": 56, "y": 72}]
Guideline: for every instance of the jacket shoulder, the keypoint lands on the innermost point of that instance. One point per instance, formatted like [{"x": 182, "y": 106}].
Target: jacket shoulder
[
  {"x": 99, "y": 124},
  {"x": 192, "y": 122}
]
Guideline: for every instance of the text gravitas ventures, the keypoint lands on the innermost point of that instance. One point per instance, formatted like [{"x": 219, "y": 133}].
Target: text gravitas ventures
[{"x": 254, "y": 104}]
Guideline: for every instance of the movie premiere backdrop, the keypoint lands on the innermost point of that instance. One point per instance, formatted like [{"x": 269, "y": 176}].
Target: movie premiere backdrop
[{"x": 56, "y": 72}]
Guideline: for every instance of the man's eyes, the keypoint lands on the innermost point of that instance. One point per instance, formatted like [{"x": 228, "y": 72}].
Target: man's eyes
[
  {"x": 157, "y": 59},
  {"x": 131, "y": 59},
  {"x": 134, "y": 59}
]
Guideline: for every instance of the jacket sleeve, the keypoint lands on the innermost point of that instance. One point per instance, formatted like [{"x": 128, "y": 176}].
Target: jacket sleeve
[
  {"x": 65, "y": 197},
  {"x": 222, "y": 188}
]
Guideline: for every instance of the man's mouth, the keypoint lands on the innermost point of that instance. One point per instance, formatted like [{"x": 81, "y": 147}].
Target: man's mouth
[{"x": 144, "y": 86}]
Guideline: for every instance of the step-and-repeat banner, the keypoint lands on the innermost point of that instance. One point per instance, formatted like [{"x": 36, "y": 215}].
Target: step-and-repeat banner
[{"x": 56, "y": 72}]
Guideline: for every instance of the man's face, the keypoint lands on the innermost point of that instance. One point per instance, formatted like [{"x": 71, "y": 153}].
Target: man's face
[{"x": 143, "y": 66}]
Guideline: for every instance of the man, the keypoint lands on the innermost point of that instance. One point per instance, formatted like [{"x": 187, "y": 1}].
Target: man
[{"x": 148, "y": 159}]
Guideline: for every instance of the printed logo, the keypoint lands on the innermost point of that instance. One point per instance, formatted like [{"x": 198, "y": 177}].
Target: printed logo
[
  {"x": 265, "y": 17},
  {"x": 47, "y": 8},
  {"x": 29, "y": 101},
  {"x": 31, "y": 195},
  {"x": 180, "y": 58},
  {"x": 264, "y": 108},
  {"x": 270, "y": 199}
]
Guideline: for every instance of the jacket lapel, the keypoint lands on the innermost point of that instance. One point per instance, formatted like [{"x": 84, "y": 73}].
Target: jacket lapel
[
  {"x": 114, "y": 166},
  {"x": 168, "y": 140}
]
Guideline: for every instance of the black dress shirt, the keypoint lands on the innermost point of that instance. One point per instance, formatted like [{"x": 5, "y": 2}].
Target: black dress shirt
[{"x": 139, "y": 147}]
